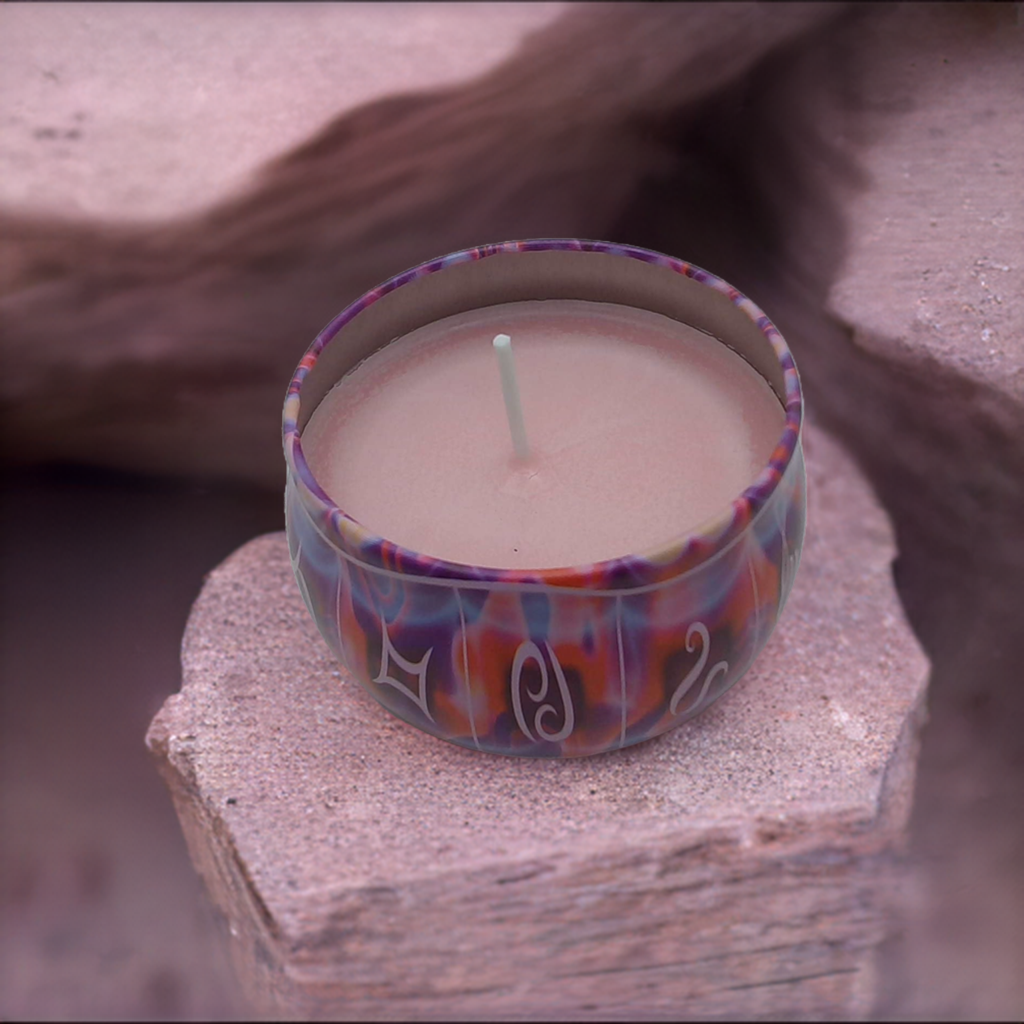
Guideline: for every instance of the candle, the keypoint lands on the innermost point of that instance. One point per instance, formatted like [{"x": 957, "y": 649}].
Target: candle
[
  {"x": 573, "y": 577},
  {"x": 640, "y": 428}
]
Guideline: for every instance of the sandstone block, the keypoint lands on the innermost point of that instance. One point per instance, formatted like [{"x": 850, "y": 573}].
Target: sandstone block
[
  {"x": 931, "y": 292},
  {"x": 935, "y": 265},
  {"x": 737, "y": 866},
  {"x": 931, "y": 300}
]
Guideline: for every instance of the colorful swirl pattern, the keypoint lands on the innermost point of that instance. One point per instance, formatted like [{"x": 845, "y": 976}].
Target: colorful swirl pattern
[{"x": 566, "y": 661}]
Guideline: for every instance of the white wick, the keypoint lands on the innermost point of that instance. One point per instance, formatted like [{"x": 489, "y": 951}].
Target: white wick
[{"x": 510, "y": 389}]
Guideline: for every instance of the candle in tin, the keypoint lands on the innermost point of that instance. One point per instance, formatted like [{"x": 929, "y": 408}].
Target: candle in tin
[{"x": 591, "y": 591}]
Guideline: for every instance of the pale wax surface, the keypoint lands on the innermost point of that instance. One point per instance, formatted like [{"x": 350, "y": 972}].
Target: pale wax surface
[{"x": 640, "y": 429}]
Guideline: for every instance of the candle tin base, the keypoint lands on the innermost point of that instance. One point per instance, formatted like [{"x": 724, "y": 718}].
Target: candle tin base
[{"x": 563, "y": 661}]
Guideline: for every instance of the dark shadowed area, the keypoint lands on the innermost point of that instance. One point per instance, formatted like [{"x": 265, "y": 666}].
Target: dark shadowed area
[
  {"x": 103, "y": 915},
  {"x": 168, "y": 249}
]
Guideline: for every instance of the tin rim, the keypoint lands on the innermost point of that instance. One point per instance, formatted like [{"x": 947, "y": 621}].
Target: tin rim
[{"x": 674, "y": 558}]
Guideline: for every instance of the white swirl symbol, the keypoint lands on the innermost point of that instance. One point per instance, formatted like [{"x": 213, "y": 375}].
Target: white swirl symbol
[
  {"x": 525, "y": 652},
  {"x": 697, "y": 629}
]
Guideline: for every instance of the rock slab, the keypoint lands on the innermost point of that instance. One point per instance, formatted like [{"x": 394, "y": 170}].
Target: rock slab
[
  {"x": 927, "y": 388},
  {"x": 738, "y": 866}
]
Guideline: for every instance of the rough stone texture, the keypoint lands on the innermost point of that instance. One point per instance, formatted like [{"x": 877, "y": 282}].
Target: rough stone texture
[
  {"x": 738, "y": 866},
  {"x": 931, "y": 297},
  {"x": 216, "y": 90},
  {"x": 935, "y": 268},
  {"x": 931, "y": 300}
]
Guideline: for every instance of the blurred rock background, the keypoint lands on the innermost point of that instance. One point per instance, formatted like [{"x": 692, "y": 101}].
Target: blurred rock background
[{"x": 189, "y": 192}]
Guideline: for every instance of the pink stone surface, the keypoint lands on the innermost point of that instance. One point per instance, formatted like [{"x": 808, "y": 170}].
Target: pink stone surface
[
  {"x": 370, "y": 870},
  {"x": 935, "y": 267},
  {"x": 217, "y": 89},
  {"x": 930, "y": 298}
]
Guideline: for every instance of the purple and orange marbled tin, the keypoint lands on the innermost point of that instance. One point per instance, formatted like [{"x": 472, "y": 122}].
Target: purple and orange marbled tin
[{"x": 565, "y": 661}]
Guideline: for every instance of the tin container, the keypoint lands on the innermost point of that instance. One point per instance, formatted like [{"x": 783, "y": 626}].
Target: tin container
[{"x": 560, "y": 661}]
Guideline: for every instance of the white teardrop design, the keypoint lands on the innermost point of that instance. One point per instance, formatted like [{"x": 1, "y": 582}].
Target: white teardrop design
[
  {"x": 414, "y": 668},
  {"x": 527, "y": 651}
]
